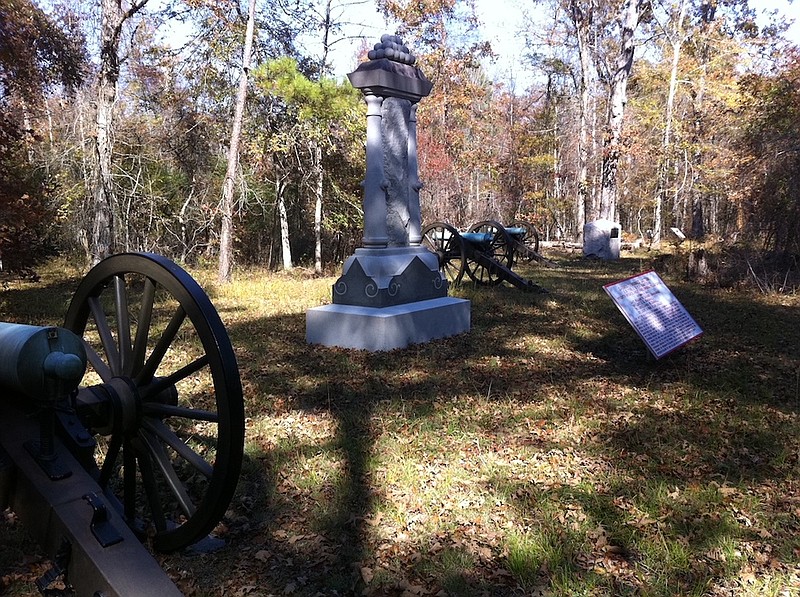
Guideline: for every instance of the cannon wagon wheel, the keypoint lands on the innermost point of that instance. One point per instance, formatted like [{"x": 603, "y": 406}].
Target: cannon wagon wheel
[
  {"x": 167, "y": 401},
  {"x": 499, "y": 249},
  {"x": 446, "y": 242},
  {"x": 529, "y": 238}
]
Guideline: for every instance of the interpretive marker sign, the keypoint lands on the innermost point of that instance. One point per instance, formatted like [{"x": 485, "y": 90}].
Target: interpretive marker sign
[{"x": 654, "y": 312}]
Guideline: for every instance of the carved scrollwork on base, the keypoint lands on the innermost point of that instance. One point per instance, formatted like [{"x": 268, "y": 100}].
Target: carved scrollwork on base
[{"x": 417, "y": 282}]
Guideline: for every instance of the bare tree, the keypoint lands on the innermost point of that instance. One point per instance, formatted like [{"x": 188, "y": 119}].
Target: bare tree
[
  {"x": 580, "y": 16},
  {"x": 329, "y": 16}
]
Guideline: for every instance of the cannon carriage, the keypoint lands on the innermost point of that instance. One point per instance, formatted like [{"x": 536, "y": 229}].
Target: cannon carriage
[
  {"x": 486, "y": 251},
  {"x": 140, "y": 430}
]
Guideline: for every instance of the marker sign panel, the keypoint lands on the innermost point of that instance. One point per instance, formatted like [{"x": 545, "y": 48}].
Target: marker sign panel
[{"x": 654, "y": 312}]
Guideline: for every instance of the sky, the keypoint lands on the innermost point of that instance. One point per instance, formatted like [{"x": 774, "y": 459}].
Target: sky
[{"x": 500, "y": 23}]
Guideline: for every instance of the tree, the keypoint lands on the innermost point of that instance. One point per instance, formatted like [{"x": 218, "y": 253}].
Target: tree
[
  {"x": 771, "y": 171},
  {"x": 169, "y": 168},
  {"x": 566, "y": 51},
  {"x": 675, "y": 35},
  {"x": 38, "y": 53},
  {"x": 226, "y": 228},
  {"x": 722, "y": 36},
  {"x": 581, "y": 17},
  {"x": 456, "y": 122},
  {"x": 318, "y": 118},
  {"x": 628, "y": 20},
  {"x": 329, "y": 20},
  {"x": 114, "y": 16}
]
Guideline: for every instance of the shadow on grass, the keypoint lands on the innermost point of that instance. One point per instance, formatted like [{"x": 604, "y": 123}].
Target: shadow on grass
[
  {"x": 686, "y": 428},
  {"x": 712, "y": 440},
  {"x": 37, "y": 303}
]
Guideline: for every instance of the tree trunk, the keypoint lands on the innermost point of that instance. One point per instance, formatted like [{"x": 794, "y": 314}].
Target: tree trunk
[
  {"x": 286, "y": 249},
  {"x": 698, "y": 229},
  {"x": 318, "y": 209},
  {"x": 676, "y": 41},
  {"x": 327, "y": 25},
  {"x": 708, "y": 14},
  {"x": 584, "y": 205},
  {"x": 556, "y": 163},
  {"x": 226, "y": 225},
  {"x": 629, "y": 20},
  {"x": 113, "y": 18}
]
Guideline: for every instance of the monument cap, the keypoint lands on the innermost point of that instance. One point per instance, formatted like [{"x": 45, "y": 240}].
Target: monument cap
[{"x": 390, "y": 72}]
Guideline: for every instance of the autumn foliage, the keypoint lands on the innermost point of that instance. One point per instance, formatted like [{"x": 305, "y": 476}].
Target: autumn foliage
[
  {"x": 37, "y": 52},
  {"x": 772, "y": 168}
]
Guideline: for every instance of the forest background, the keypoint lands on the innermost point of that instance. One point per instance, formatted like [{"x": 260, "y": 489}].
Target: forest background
[{"x": 122, "y": 128}]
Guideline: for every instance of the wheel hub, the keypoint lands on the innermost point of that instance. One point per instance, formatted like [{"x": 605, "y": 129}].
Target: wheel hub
[{"x": 112, "y": 407}]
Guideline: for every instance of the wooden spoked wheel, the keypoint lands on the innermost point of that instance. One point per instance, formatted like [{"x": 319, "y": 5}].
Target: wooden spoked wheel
[
  {"x": 446, "y": 242},
  {"x": 162, "y": 396},
  {"x": 529, "y": 239},
  {"x": 499, "y": 249}
]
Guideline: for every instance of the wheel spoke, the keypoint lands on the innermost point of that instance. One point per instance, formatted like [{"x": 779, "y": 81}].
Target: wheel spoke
[
  {"x": 100, "y": 366},
  {"x": 169, "y": 437},
  {"x": 154, "y": 360},
  {"x": 449, "y": 271},
  {"x": 163, "y": 383},
  {"x": 106, "y": 337},
  {"x": 123, "y": 324},
  {"x": 162, "y": 461},
  {"x": 151, "y": 490},
  {"x": 110, "y": 461},
  {"x": 155, "y": 409},
  {"x": 143, "y": 326},
  {"x": 129, "y": 480}
]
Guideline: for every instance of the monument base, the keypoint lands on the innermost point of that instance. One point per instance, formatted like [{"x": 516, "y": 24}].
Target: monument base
[
  {"x": 389, "y": 276},
  {"x": 379, "y": 329}
]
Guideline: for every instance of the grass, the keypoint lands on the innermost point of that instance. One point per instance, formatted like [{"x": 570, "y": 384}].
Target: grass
[{"x": 543, "y": 453}]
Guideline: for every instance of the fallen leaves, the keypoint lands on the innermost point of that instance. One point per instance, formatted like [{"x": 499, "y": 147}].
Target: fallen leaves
[{"x": 396, "y": 474}]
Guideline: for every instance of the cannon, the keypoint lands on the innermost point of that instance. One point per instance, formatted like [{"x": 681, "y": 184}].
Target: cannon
[
  {"x": 123, "y": 427},
  {"x": 486, "y": 252}
]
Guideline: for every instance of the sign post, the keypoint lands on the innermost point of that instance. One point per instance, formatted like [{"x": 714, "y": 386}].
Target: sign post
[{"x": 655, "y": 314}]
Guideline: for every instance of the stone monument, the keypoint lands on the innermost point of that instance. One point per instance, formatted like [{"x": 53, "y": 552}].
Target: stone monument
[
  {"x": 602, "y": 239},
  {"x": 391, "y": 292}
]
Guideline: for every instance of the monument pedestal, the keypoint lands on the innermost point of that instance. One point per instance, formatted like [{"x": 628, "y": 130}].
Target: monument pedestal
[
  {"x": 389, "y": 276},
  {"x": 387, "y": 328},
  {"x": 388, "y": 298}
]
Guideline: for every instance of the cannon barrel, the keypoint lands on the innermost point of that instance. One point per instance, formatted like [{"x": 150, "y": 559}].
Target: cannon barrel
[{"x": 40, "y": 362}]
